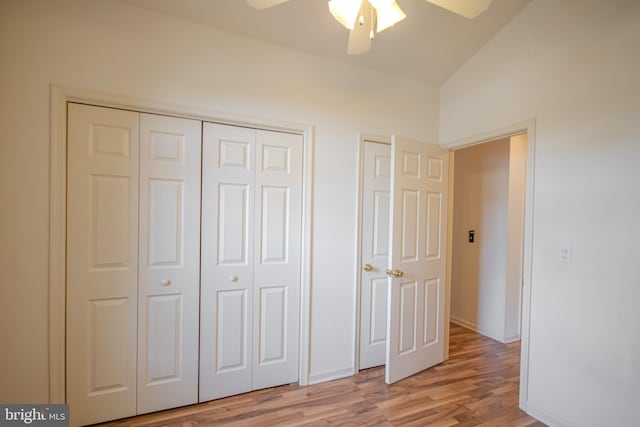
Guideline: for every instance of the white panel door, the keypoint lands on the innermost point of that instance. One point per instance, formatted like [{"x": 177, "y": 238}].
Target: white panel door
[
  {"x": 418, "y": 253},
  {"x": 169, "y": 262},
  {"x": 276, "y": 290},
  {"x": 102, "y": 263},
  {"x": 375, "y": 253},
  {"x": 226, "y": 305}
]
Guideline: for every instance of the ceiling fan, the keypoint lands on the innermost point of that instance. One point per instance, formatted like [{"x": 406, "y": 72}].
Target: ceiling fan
[{"x": 361, "y": 17}]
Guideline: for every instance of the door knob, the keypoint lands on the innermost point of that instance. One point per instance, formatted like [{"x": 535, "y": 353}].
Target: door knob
[
  {"x": 166, "y": 282},
  {"x": 367, "y": 267},
  {"x": 395, "y": 273}
]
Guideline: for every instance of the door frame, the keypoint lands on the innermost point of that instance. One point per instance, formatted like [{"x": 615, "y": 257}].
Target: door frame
[
  {"x": 59, "y": 97},
  {"x": 358, "y": 247},
  {"x": 528, "y": 127},
  {"x": 364, "y": 137}
]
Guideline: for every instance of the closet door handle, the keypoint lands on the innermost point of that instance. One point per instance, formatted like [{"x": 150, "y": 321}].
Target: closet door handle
[
  {"x": 233, "y": 278},
  {"x": 166, "y": 282}
]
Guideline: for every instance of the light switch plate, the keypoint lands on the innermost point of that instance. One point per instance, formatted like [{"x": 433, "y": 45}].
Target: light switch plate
[{"x": 565, "y": 254}]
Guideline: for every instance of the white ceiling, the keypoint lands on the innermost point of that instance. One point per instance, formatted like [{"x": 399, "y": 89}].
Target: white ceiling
[{"x": 430, "y": 45}]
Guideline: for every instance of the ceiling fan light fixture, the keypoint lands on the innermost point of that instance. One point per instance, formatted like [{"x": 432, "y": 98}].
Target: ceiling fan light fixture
[
  {"x": 388, "y": 13},
  {"x": 345, "y": 11},
  {"x": 361, "y": 16}
]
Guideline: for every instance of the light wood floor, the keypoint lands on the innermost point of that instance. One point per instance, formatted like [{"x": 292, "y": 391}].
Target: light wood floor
[{"x": 478, "y": 385}]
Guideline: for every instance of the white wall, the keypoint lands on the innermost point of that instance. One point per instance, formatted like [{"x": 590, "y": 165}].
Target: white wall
[
  {"x": 479, "y": 269},
  {"x": 574, "y": 66},
  {"x": 111, "y": 47}
]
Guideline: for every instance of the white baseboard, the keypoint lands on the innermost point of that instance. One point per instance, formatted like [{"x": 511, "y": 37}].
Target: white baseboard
[
  {"x": 476, "y": 328},
  {"x": 464, "y": 323},
  {"x": 321, "y": 377},
  {"x": 512, "y": 338},
  {"x": 546, "y": 418}
]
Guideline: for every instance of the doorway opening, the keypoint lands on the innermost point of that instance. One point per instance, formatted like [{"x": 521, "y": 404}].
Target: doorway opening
[
  {"x": 487, "y": 237},
  {"x": 520, "y": 310}
]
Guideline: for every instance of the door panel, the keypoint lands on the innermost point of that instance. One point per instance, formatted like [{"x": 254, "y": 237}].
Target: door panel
[
  {"x": 416, "y": 298},
  {"x": 276, "y": 290},
  {"x": 165, "y": 336},
  {"x": 432, "y": 311},
  {"x": 109, "y": 208},
  {"x": 434, "y": 225},
  {"x": 375, "y": 252},
  {"x": 274, "y": 217},
  {"x": 378, "y": 310},
  {"x": 165, "y": 239},
  {"x": 231, "y": 332},
  {"x": 102, "y": 273},
  {"x": 410, "y": 225},
  {"x": 380, "y": 250},
  {"x": 273, "y": 333},
  {"x": 168, "y": 262},
  {"x": 409, "y": 313},
  {"x": 108, "y": 351},
  {"x": 226, "y": 309},
  {"x": 233, "y": 220}
]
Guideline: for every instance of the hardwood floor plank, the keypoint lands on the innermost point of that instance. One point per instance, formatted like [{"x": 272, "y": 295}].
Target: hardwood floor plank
[{"x": 477, "y": 386}]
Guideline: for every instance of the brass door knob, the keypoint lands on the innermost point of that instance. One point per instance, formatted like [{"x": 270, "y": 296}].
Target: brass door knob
[
  {"x": 395, "y": 273},
  {"x": 367, "y": 267}
]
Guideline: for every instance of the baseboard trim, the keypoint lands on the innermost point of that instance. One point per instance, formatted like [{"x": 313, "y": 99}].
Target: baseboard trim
[
  {"x": 325, "y": 376},
  {"x": 511, "y": 339},
  {"x": 546, "y": 418},
  {"x": 463, "y": 323},
  {"x": 475, "y": 328}
]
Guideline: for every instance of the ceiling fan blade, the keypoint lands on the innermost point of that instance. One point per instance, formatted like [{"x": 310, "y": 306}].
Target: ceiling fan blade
[
  {"x": 264, "y": 4},
  {"x": 467, "y": 8},
  {"x": 360, "y": 36}
]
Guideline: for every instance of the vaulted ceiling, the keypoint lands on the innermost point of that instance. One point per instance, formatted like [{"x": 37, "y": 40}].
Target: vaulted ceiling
[{"x": 429, "y": 45}]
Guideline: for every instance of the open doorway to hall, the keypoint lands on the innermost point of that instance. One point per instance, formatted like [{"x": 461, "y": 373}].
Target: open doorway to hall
[
  {"x": 487, "y": 200},
  {"x": 487, "y": 237}
]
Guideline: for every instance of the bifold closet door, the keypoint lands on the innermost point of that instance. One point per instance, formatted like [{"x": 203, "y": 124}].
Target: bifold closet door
[
  {"x": 228, "y": 159},
  {"x": 102, "y": 263},
  {"x": 250, "y": 264},
  {"x": 133, "y": 248},
  {"x": 169, "y": 262},
  {"x": 277, "y": 255}
]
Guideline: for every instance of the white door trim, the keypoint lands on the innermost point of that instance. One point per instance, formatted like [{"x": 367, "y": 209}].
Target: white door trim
[
  {"x": 529, "y": 127},
  {"x": 60, "y": 96},
  {"x": 358, "y": 247}
]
